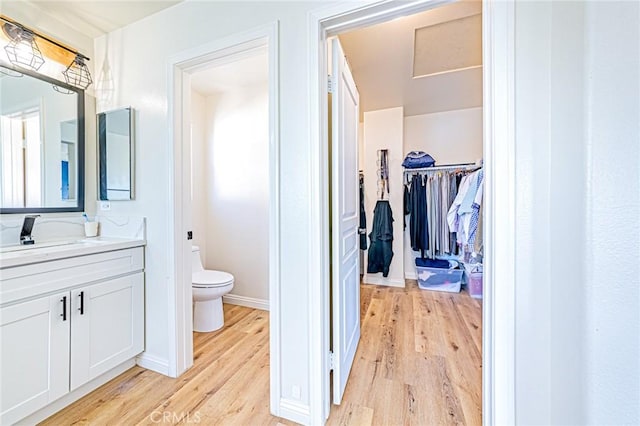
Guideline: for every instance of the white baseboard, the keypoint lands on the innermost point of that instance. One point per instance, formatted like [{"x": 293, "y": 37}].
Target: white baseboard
[
  {"x": 73, "y": 396},
  {"x": 411, "y": 276},
  {"x": 380, "y": 280},
  {"x": 294, "y": 411},
  {"x": 249, "y": 302},
  {"x": 153, "y": 363}
]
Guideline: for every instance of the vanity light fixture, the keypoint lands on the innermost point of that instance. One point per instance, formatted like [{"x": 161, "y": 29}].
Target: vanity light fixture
[
  {"x": 22, "y": 50},
  {"x": 77, "y": 73}
]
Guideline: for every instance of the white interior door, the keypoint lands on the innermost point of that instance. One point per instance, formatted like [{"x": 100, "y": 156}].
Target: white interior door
[{"x": 344, "y": 216}]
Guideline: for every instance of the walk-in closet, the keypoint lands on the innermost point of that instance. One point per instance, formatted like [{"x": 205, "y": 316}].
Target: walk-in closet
[{"x": 418, "y": 81}]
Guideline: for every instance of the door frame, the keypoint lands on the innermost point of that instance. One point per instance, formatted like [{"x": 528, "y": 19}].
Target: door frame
[
  {"x": 180, "y": 66},
  {"x": 498, "y": 35}
]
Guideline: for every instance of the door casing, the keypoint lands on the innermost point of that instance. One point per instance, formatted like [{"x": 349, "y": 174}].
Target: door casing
[
  {"x": 499, "y": 161},
  {"x": 179, "y": 310}
]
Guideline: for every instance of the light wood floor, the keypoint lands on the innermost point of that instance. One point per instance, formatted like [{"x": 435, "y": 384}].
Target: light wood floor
[
  {"x": 228, "y": 383},
  {"x": 418, "y": 362}
]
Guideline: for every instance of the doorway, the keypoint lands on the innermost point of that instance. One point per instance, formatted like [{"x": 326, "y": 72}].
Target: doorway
[
  {"x": 418, "y": 322},
  {"x": 182, "y": 67},
  {"x": 498, "y": 85}
]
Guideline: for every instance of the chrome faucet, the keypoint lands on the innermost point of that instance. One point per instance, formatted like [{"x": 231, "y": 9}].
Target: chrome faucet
[{"x": 27, "y": 227}]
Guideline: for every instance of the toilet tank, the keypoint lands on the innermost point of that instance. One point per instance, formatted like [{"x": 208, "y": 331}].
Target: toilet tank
[{"x": 196, "y": 262}]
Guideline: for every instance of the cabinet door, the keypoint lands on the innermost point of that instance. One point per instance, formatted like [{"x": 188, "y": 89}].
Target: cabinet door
[
  {"x": 107, "y": 326},
  {"x": 34, "y": 362}
]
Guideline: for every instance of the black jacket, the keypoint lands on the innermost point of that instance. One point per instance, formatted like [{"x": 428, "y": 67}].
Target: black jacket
[{"x": 381, "y": 239}]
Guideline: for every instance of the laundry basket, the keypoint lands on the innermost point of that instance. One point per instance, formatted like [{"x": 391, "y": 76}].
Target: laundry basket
[
  {"x": 439, "y": 275},
  {"x": 475, "y": 284},
  {"x": 473, "y": 273}
]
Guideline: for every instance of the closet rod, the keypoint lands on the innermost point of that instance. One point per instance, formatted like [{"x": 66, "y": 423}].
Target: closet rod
[{"x": 466, "y": 166}]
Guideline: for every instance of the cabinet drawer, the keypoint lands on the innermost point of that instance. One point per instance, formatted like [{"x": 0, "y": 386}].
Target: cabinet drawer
[{"x": 42, "y": 278}]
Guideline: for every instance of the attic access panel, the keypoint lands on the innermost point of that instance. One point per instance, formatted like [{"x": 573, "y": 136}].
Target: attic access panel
[{"x": 448, "y": 46}]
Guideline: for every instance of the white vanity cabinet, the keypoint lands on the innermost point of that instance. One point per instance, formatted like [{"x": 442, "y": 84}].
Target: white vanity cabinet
[
  {"x": 107, "y": 326},
  {"x": 66, "y": 322},
  {"x": 34, "y": 368}
]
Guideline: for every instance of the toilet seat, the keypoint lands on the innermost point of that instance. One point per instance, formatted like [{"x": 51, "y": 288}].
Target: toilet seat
[{"x": 208, "y": 279}]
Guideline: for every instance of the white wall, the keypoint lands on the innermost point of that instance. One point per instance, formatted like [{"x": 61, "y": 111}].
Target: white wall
[
  {"x": 578, "y": 211},
  {"x": 198, "y": 171},
  {"x": 450, "y": 137},
  {"x": 609, "y": 321},
  {"x": 138, "y": 55},
  {"x": 360, "y": 145},
  {"x": 612, "y": 283},
  {"x": 236, "y": 188},
  {"x": 383, "y": 130},
  {"x": 537, "y": 317}
]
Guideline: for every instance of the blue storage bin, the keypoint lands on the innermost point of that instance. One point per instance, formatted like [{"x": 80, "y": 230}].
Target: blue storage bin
[{"x": 439, "y": 275}]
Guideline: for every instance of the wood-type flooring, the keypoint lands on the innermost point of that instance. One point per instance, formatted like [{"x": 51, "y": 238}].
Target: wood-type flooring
[{"x": 418, "y": 362}]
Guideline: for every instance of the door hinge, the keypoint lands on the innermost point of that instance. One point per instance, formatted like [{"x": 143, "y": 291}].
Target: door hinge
[
  {"x": 329, "y": 84},
  {"x": 332, "y": 361}
]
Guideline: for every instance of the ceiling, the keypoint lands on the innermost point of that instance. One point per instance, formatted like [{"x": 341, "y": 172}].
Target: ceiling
[
  {"x": 238, "y": 74},
  {"x": 381, "y": 58},
  {"x": 95, "y": 18}
]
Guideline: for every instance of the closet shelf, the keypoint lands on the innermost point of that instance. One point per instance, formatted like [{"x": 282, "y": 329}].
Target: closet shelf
[{"x": 464, "y": 166}]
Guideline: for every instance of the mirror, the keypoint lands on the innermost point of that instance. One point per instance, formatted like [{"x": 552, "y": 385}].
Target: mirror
[
  {"x": 41, "y": 144},
  {"x": 115, "y": 154}
]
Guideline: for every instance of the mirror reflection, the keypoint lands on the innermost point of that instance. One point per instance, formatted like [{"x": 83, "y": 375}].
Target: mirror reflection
[
  {"x": 115, "y": 153},
  {"x": 40, "y": 146}
]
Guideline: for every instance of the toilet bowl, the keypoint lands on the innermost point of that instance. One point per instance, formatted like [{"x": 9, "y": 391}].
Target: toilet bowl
[{"x": 208, "y": 288}]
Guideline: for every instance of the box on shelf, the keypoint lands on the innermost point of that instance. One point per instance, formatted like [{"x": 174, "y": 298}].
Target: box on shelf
[{"x": 439, "y": 275}]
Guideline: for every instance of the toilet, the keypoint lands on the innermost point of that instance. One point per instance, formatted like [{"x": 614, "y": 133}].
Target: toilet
[{"x": 208, "y": 288}]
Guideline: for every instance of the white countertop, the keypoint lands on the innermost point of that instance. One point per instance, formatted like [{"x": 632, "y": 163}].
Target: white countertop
[{"x": 46, "y": 251}]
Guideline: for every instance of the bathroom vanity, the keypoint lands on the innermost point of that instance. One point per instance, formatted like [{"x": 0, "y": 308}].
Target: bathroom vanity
[{"x": 71, "y": 318}]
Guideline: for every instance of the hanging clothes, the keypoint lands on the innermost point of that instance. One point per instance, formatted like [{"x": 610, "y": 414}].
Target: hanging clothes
[
  {"x": 474, "y": 215},
  {"x": 445, "y": 211},
  {"x": 464, "y": 214},
  {"x": 383, "y": 173},
  {"x": 453, "y": 191},
  {"x": 444, "y": 208},
  {"x": 381, "y": 239},
  {"x": 432, "y": 202},
  {"x": 418, "y": 226},
  {"x": 453, "y": 219},
  {"x": 362, "y": 230},
  {"x": 405, "y": 205},
  {"x": 478, "y": 245}
]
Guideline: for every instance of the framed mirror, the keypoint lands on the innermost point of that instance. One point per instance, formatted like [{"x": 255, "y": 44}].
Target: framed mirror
[
  {"x": 115, "y": 155},
  {"x": 41, "y": 144}
]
